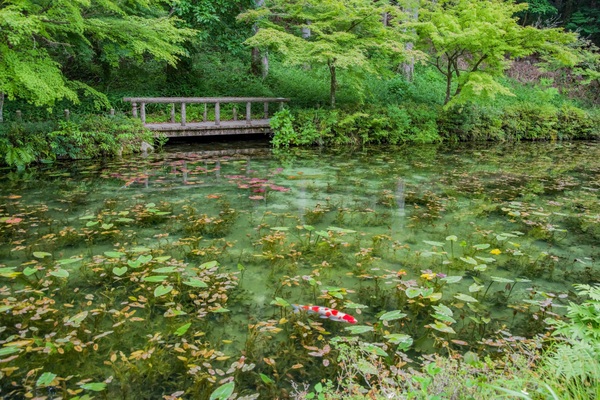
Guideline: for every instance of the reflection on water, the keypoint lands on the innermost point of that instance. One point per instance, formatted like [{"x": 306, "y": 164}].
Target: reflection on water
[{"x": 354, "y": 229}]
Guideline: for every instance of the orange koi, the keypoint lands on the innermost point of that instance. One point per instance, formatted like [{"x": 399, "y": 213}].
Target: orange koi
[{"x": 326, "y": 312}]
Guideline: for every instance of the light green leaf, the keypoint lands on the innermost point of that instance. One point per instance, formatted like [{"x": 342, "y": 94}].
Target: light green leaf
[
  {"x": 94, "y": 386},
  {"x": 195, "y": 282},
  {"x": 118, "y": 271},
  {"x": 155, "y": 278},
  {"x": 183, "y": 329},
  {"x": 223, "y": 392},
  {"x": 465, "y": 297},
  {"x": 60, "y": 273},
  {"x": 358, "y": 329},
  {"x": 392, "y": 315},
  {"x": 41, "y": 254},
  {"x": 161, "y": 290},
  {"x": 45, "y": 379}
]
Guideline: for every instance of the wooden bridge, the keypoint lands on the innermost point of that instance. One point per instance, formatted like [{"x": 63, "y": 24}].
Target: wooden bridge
[{"x": 212, "y": 106}]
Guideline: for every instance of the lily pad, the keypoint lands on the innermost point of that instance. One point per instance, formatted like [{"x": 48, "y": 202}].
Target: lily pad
[
  {"x": 223, "y": 392},
  {"x": 195, "y": 282},
  {"x": 119, "y": 271},
  {"x": 161, "y": 290},
  {"x": 358, "y": 329}
]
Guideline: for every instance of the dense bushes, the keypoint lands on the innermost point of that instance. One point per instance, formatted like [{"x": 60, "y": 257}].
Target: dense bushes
[
  {"x": 82, "y": 137},
  {"x": 425, "y": 123}
]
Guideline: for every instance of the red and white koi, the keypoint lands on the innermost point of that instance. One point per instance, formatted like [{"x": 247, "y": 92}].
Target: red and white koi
[{"x": 326, "y": 312}]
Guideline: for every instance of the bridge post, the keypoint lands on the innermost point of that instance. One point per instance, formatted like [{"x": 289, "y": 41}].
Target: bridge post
[
  {"x": 217, "y": 113},
  {"x": 280, "y": 105},
  {"x": 182, "y": 114},
  {"x": 134, "y": 109},
  {"x": 266, "y": 110},
  {"x": 204, "y": 116},
  {"x": 234, "y": 113},
  {"x": 143, "y": 112},
  {"x": 172, "y": 113},
  {"x": 248, "y": 113}
]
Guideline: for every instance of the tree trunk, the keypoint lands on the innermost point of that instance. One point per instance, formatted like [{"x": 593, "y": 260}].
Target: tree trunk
[
  {"x": 408, "y": 67},
  {"x": 448, "y": 83},
  {"x": 1, "y": 107},
  {"x": 333, "y": 84},
  {"x": 259, "y": 66}
]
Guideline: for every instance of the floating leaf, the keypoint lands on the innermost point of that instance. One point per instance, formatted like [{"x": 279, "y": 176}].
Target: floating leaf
[
  {"x": 165, "y": 270},
  {"x": 465, "y": 297},
  {"x": 161, "y": 290},
  {"x": 89, "y": 224},
  {"x": 183, "y": 329},
  {"x": 452, "y": 238},
  {"x": 107, "y": 226},
  {"x": 210, "y": 264},
  {"x": 220, "y": 310},
  {"x": 45, "y": 379},
  {"x": 469, "y": 260},
  {"x": 435, "y": 244},
  {"x": 143, "y": 259},
  {"x": 41, "y": 254},
  {"x": 475, "y": 287},
  {"x": 438, "y": 326},
  {"x": 280, "y": 302},
  {"x": 340, "y": 230},
  {"x": 442, "y": 309},
  {"x": 355, "y": 305},
  {"x": 77, "y": 319},
  {"x": 452, "y": 279},
  {"x": 195, "y": 282},
  {"x": 266, "y": 379},
  {"x": 162, "y": 258},
  {"x": 399, "y": 338},
  {"x": 412, "y": 292},
  {"x": 118, "y": 271},
  {"x": 94, "y": 386},
  {"x": 113, "y": 254},
  {"x": 67, "y": 261},
  {"x": 392, "y": 315},
  {"x": 501, "y": 280},
  {"x": 443, "y": 318},
  {"x": 155, "y": 278},
  {"x": 89, "y": 216},
  {"x": 481, "y": 246},
  {"x": 60, "y": 273},
  {"x": 280, "y": 228},
  {"x": 28, "y": 271},
  {"x": 358, "y": 329},
  {"x": 374, "y": 349},
  {"x": 9, "y": 272},
  {"x": 223, "y": 392},
  {"x": 123, "y": 219},
  {"x": 4, "y": 351}
]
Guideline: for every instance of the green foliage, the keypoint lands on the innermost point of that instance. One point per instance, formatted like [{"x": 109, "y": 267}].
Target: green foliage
[
  {"x": 82, "y": 137},
  {"x": 30, "y": 59},
  {"x": 340, "y": 35},
  {"x": 471, "y": 41}
]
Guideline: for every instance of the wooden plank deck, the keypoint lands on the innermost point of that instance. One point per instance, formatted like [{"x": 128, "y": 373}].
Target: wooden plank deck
[
  {"x": 217, "y": 127},
  {"x": 208, "y": 128}
]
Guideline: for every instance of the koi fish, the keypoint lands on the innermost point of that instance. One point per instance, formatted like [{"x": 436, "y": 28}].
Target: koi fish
[{"x": 325, "y": 312}]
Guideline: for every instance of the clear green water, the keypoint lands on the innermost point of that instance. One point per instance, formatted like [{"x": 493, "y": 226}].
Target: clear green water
[{"x": 108, "y": 272}]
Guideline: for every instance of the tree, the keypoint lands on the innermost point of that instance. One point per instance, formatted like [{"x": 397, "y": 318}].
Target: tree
[
  {"x": 472, "y": 42},
  {"x": 39, "y": 36},
  {"x": 344, "y": 34}
]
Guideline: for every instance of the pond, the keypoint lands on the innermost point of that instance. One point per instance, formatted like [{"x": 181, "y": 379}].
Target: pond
[{"x": 174, "y": 274}]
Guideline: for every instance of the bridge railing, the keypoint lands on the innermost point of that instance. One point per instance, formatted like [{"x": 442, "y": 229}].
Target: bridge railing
[{"x": 217, "y": 101}]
